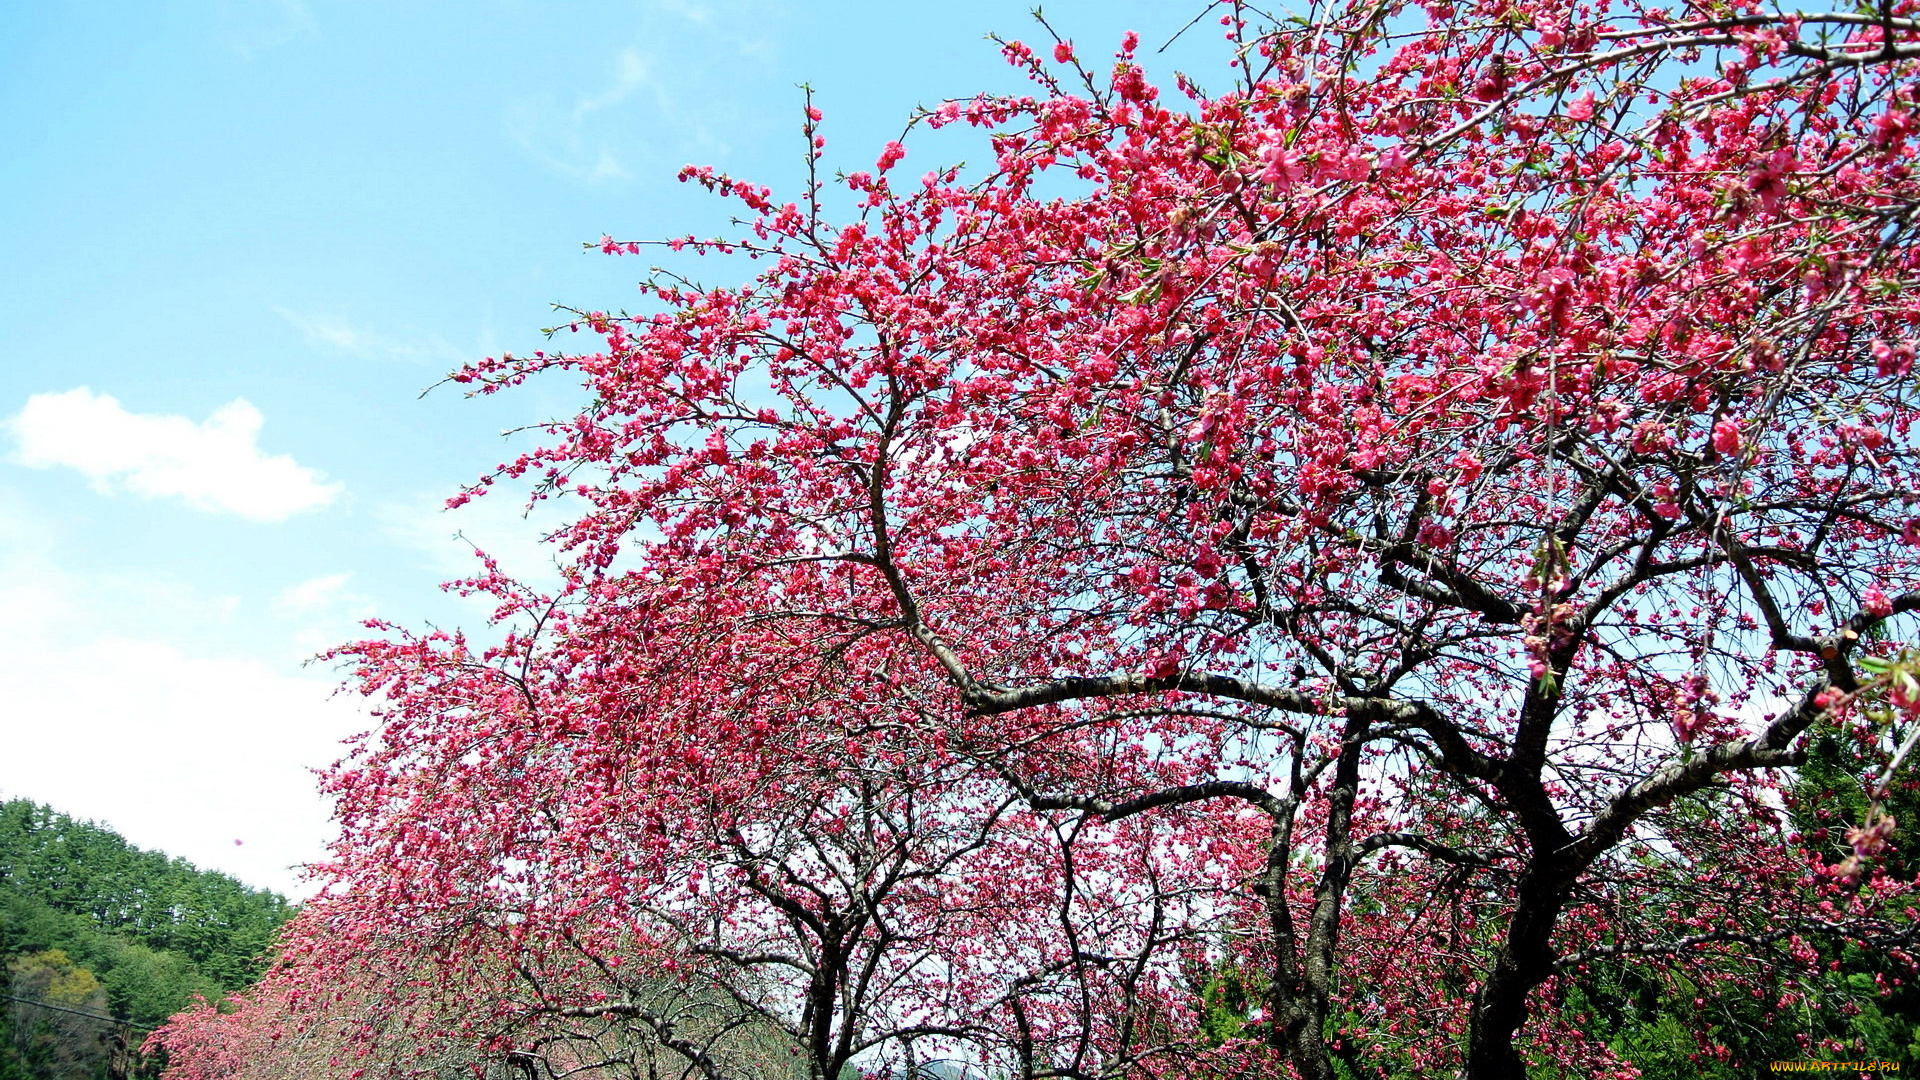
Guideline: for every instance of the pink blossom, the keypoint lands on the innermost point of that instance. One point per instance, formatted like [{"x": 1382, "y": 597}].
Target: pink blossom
[
  {"x": 1874, "y": 601},
  {"x": 1726, "y": 437}
]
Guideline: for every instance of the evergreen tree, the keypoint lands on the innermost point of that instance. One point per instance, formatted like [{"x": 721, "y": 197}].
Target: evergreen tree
[{"x": 93, "y": 924}]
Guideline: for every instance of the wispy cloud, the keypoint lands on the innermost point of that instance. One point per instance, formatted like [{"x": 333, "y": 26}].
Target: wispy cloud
[
  {"x": 631, "y": 74},
  {"x": 322, "y": 611},
  {"x": 251, "y": 27},
  {"x": 214, "y": 465},
  {"x": 663, "y": 101},
  {"x": 317, "y": 595},
  {"x": 566, "y": 138},
  {"x": 693, "y": 11},
  {"x": 498, "y": 524},
  {"x": 339, "y": 334}
]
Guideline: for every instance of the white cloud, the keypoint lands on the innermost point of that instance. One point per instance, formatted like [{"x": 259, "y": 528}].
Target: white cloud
[
  {"x": 215, "y": 465},
  {"x": 183, "y": 752},
  {"x": 120, "y": 708}
]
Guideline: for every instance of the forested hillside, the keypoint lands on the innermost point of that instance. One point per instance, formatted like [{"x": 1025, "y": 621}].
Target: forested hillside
[{"x": 100, "y": 941}]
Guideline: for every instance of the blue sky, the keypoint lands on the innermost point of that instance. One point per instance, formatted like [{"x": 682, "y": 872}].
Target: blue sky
[{"x": 239, "y": 238}]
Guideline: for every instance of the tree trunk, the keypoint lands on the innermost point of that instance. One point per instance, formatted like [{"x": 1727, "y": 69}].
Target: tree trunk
[
  {"x": 1525, "y": 961},
  {"x": 1301, "y": 1003}
]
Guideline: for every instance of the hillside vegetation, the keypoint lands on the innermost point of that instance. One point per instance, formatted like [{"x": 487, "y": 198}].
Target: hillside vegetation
[{"x": 101, "y": 940}]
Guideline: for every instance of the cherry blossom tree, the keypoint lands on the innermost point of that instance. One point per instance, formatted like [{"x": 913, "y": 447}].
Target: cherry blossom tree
[{"x": 1385, "y": 528}]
